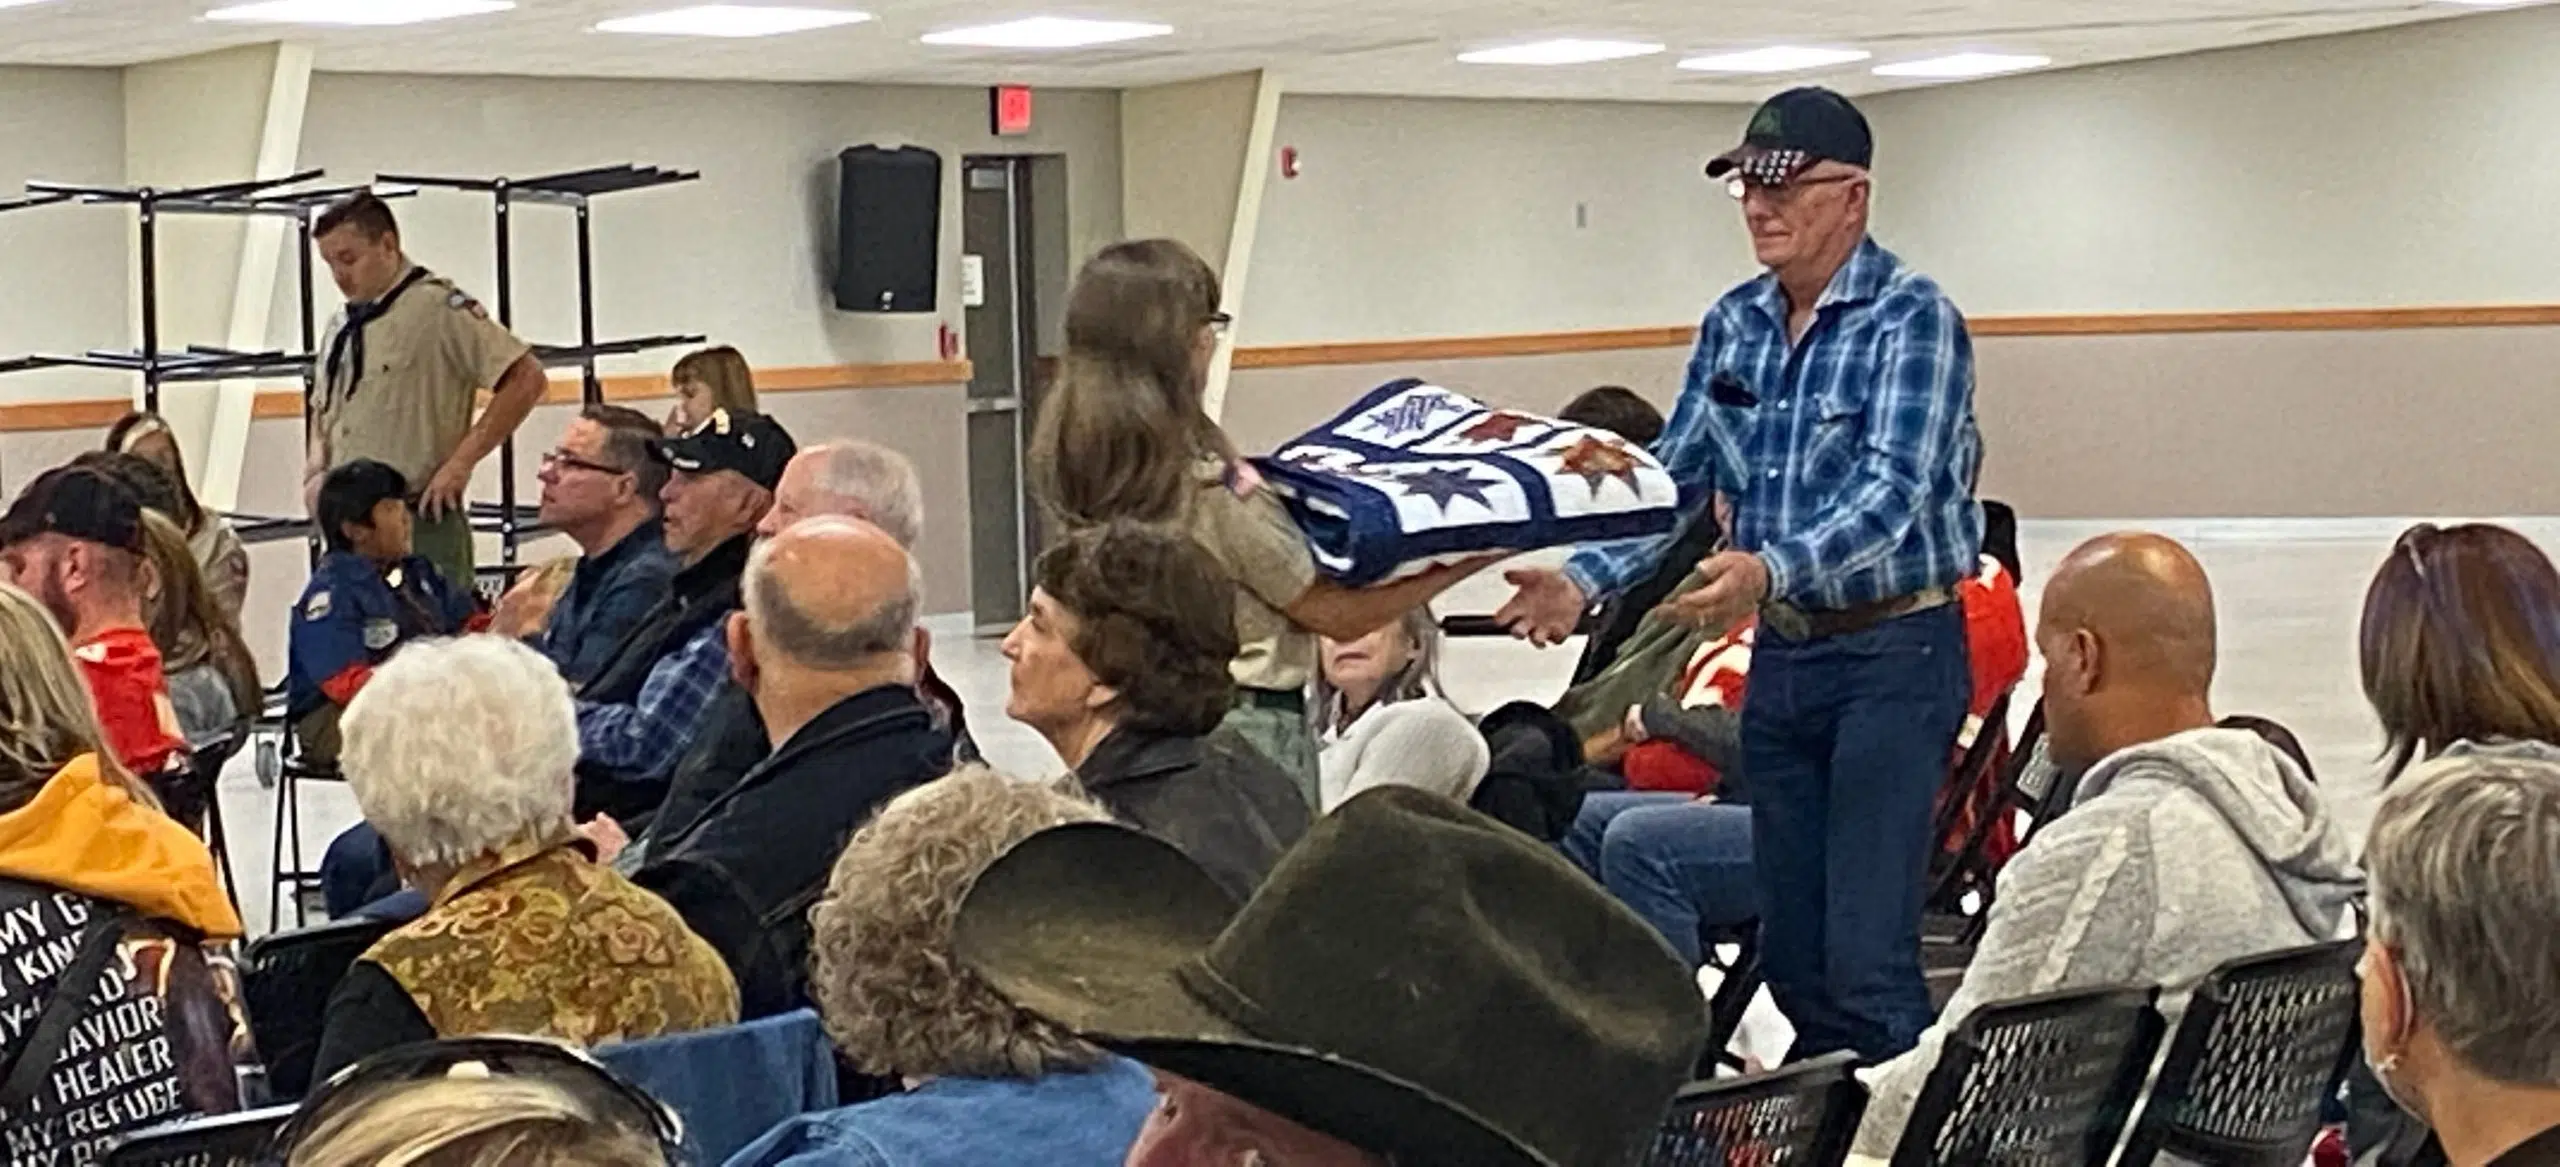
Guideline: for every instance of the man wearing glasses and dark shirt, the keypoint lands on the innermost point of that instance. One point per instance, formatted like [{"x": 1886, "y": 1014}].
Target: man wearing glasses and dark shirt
[
  {"x": 599, "y": 488},
  {"x": 1830, "y": 400}
]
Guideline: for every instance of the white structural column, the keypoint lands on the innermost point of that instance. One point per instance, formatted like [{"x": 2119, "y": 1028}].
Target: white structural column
[
  {"x": 1194, "y": 157},
  {"x": 217, "y": 117}
]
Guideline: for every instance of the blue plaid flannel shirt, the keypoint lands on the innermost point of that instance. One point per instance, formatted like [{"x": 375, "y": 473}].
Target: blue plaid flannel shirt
[
  {"x": 643, "y": 739},
  {"x": 1850, "y": 458}
]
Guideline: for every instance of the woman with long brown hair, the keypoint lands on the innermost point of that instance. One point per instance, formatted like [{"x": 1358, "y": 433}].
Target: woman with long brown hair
[
  {"x": 213, "y": 680},
  {"x": 220, "y": 556},
  {"x": 2460, "y": 644},
  {"x": 1124, "y": 435},
  {"x": 2460, "y": 651}
]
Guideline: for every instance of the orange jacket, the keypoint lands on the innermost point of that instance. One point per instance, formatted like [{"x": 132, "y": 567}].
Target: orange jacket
[{"x": 81, "y": 834}]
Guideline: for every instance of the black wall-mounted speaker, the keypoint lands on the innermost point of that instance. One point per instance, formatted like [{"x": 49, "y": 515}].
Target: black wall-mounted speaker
[{"x": 888, "y": 229}]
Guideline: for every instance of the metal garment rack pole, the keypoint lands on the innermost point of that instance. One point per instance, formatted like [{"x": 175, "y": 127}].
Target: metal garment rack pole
[
  {"x": 572, "y": 189},
  {"x": 156, "y": 366}
]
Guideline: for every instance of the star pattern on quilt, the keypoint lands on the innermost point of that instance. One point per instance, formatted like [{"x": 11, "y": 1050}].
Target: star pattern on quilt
[
  {"x": 1595, "y": 460},
  {"x": 1411, "y": 415},
  {"x": 1501, "y": 425},
  {"x": 1443, "y": 485}
]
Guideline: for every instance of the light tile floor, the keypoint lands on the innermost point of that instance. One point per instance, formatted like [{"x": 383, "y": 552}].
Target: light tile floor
[{"x": 2288, "y": 592}]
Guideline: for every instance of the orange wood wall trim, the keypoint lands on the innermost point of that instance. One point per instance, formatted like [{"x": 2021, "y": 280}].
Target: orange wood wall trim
[
  {"x": 2291, "y": 320},
  {"x": 1456, "y": 348},
  {"x": 2116, "y": 324},
  {"x": 94, "y": 413}
]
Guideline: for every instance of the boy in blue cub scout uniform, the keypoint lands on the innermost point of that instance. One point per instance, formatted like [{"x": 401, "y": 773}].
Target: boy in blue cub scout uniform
[{"x": 369, "y": 594}]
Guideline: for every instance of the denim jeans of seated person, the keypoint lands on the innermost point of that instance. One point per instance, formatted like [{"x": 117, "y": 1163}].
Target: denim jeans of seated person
[{"x": 1679, "y": 862}]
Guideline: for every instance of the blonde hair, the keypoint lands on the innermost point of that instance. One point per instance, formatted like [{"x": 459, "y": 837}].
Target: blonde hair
[
  {"x": 1124, "y": 425},
  {"x": 473, "y": 1122},
  {"x": 722, "y": 370},
  {"x": 46, "y": 717},
  {"x": 882, "y": 973}
]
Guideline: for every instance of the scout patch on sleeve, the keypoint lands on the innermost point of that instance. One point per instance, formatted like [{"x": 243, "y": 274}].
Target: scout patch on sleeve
[
  {"x": 317, "y": 607},
  {"x": 462, "y": 301}
]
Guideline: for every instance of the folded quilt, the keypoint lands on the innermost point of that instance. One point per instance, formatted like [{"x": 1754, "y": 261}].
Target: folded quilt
[{"x": 1414, "y": 475}]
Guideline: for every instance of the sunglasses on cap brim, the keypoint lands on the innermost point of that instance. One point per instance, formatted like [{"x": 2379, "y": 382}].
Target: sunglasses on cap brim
[{"x": 610, "y": 1096}]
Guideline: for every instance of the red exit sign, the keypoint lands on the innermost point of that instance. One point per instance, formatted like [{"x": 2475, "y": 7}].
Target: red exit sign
[{"x": 1012, "y": 109}]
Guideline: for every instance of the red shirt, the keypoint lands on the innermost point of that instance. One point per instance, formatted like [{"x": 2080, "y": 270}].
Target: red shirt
[{"x": 122, "y": 667}]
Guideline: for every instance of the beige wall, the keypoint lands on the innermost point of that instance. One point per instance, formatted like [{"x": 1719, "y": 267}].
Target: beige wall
[
  {"x": 1422, "y": 218},
  {"x": 2408, "y": 166},
  {"x": 746, "y": 254},
  {"x": 62, "y": 269}
]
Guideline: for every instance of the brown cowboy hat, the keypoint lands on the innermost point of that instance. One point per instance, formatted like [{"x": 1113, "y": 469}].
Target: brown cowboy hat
[{"x": 1414, "y": 978}]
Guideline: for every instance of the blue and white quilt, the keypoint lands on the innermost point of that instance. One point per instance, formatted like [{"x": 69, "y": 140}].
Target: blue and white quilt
[{"x": 1414, "y": 475}]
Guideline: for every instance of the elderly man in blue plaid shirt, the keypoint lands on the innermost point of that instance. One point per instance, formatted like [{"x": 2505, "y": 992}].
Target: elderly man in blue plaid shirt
[{"x": 1830, "y": 401}]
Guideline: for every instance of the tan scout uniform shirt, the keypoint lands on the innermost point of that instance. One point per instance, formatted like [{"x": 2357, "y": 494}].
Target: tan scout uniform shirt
[
  {"x": 1267, "y": 556},
  {"x": 425, "y": 361}
]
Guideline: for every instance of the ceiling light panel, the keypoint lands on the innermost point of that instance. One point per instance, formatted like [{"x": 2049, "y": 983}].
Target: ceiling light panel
[
  {"x": 361, "y": 13},
  {"x": 1775, "y": 59},
  {"x": 733, "y": 20},
  {"x": 1569, "y": 51},
  {"x": 1048, "y": 32},
  {"x": 1957, "y": 66}
]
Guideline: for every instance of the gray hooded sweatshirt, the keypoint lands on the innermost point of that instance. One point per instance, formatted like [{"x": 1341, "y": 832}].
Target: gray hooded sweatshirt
[{"x": 2178, "y": 855}]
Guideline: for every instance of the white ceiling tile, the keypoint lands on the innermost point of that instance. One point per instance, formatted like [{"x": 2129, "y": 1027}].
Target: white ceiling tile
[{"x": 1396, "y": 47}]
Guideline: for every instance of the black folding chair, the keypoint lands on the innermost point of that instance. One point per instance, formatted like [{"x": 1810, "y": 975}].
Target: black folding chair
[
  {"x": 1738, "y": 982},
  {"x": 289, "y": 875},
  {"x": 213, "y": 1140},
  {"x": 2264, "y": 1041},
  {"x": 285, "y": 982},
  {"x": 2044, "y": 1081},
  {"x": 1802, "y": 1116}
]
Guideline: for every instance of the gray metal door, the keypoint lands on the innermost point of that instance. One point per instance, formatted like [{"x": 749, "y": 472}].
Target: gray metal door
[{"x": 994, "y": 231}]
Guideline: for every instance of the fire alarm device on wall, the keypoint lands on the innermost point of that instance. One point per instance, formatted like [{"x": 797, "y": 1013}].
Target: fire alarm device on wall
[{"x": 1009, "y": 109}]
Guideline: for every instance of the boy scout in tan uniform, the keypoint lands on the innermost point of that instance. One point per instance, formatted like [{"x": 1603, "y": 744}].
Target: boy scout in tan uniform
[{"x": 400, "y": 373}]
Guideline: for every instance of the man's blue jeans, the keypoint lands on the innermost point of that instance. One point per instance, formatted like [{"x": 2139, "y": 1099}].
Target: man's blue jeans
[
  {"x": 1678, "y": 862},
  {"x": 1846, "y": 740}
]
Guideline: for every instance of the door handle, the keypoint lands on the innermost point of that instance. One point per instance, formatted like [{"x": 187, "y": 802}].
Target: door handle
[{"x": 978, "y": 405}]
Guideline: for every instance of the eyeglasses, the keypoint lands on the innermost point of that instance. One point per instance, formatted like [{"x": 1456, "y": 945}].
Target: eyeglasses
[
  {"x": 1782, "y": 193},
  {"x": 1220, "y": 323},
  {"x": 611, "y": 1096},
  {"x": 564, "y": 460}
]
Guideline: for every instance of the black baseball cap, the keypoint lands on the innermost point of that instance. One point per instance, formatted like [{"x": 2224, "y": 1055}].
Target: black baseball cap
[
  {"x": 751, "y": 444},
  {"x": 1794, "y": 130},
  {"x": 81, "y": 502}
]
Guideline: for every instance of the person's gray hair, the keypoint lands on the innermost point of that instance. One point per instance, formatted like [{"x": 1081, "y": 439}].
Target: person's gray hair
[
  {"x": 2460, "y": 861},
  {"x": 872, "y": 481},
  {"x": 783, "y": 625},
  {"x": 456, "y": 748},
  {"x": 1419, "y": 678}
]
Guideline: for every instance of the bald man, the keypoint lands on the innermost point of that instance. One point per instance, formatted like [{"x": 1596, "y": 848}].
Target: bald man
[
  {"x": 2189, "y": 845},
  {"x": 825, "y": 647}
]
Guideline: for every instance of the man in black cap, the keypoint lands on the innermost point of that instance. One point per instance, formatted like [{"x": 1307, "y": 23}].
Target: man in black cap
[
  {"x": 636, "y": 713},
  {"x": 73, "y": 540},
  {"x": 1830, "y": 402},
  {"x": 1415, "y": 984}
]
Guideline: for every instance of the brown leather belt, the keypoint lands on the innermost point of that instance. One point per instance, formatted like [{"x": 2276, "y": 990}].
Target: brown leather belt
[{"x": 1790, "y": 622}]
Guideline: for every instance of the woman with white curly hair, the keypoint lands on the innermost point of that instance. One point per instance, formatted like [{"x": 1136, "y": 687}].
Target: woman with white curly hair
[
  {"x": 461, "y": 754},
  {"x": 986, "y": 1082}
]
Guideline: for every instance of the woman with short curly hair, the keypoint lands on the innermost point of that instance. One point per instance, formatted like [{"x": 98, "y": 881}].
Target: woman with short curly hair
[{"x": 986, "y": 1081}]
